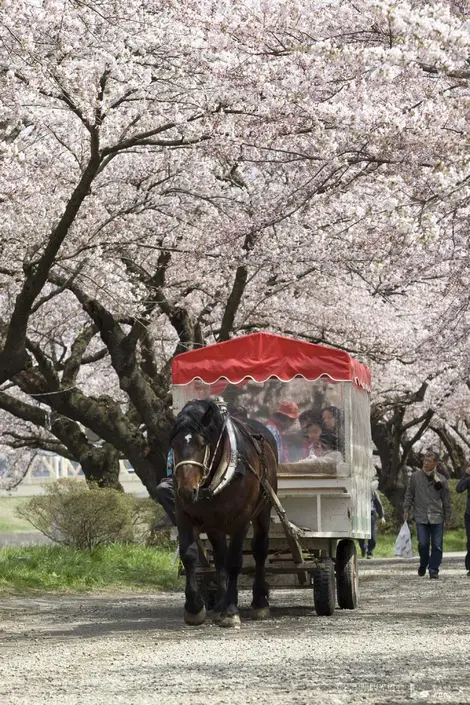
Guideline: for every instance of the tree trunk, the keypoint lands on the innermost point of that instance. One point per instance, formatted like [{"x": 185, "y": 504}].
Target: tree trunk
[
  {"x": 101, "y": 467},
  {"x": 454, "y": 449},
  {"x": 395, "y": 438},
  {"x": 393, "y": 475}
]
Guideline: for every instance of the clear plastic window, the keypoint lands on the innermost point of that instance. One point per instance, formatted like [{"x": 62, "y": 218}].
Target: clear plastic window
[{"x": 322, "y": 427}]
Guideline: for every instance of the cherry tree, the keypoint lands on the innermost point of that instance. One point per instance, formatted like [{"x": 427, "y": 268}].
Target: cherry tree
[{"x": 178, "y": 174}]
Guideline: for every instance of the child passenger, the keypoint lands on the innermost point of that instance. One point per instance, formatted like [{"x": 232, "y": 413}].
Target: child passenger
[{"x": 314, "y": 446}]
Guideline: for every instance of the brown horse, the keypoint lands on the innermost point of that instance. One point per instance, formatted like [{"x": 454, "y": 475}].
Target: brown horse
[{"x": 199, "y": 440}]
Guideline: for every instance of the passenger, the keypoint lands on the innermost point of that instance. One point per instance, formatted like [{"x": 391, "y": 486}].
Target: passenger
[
  {"x": 280, "y": 422},
  {"x": 330, "y": 419},
  {"x": 201, "y": 390},
  {"x": 304, "y": 419},
  {"x": 313, "y": 446}
]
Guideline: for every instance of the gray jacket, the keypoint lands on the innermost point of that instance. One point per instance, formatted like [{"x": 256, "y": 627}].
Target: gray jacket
[{"x": 430, "y": 506}]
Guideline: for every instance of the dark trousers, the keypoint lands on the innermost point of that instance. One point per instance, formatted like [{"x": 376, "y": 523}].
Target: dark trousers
[
  {"x": 434, "y": 534},
  {"x": 467, "y": 529},
  {"x": 368, "y": 545},
  {"x": 166, "y": 497}
]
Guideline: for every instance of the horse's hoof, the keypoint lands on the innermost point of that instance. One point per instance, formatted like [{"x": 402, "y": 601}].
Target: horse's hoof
[
  {"x": 260, "y": 613},
  {"x": 194, "y": 620},
  {"x": 230, "y": 621}
]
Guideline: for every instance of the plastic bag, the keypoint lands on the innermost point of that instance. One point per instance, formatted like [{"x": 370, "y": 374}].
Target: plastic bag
[{"x": 403, "y": 545}]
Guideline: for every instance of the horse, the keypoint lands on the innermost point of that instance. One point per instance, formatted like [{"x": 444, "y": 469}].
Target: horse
[{"x": 199, "y": 440}]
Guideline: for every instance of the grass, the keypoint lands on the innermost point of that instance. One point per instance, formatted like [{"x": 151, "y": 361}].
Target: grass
[
  {"x": 117, "y": 567},
  {"x": 454, "y": 540},
  {"x": 8, "y": 519},
  {"x": 62, "y": 569}
]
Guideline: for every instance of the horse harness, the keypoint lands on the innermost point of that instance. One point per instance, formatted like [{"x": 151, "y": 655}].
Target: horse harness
[
  {"x": 232, "y": 459},
  {"x": 226, "y": 470}
]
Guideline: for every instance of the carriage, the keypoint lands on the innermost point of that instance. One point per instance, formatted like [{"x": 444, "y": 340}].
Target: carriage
[{"x": 323, "y": 501}]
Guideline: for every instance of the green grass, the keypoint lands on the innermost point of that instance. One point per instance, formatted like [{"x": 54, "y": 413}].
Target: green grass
[
  {"x": 61, "y": 569},
  {"x": 130, "y": 567},
  {"x": 454, "y": 540},
  {"x": 8, "y": 519}
]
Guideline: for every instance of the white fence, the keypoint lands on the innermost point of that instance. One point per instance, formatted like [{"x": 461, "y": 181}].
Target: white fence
[{"x": 47, "y": 468}]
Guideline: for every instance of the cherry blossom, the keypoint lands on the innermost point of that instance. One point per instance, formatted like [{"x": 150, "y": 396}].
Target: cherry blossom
[{"x": 177, "y": 173}]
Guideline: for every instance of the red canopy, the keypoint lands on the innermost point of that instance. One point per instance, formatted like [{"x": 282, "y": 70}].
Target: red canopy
[{"x": 260, "y": 356}]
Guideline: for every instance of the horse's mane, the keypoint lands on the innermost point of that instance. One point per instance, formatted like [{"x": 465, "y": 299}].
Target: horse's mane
[{"x": 200, "y": 416}]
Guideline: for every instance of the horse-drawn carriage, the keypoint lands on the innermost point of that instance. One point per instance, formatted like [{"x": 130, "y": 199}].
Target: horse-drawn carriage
[{"x": 323, "y": 495}]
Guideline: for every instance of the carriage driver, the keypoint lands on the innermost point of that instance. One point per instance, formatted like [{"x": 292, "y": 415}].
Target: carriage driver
[{"x": 166, "y": 494}]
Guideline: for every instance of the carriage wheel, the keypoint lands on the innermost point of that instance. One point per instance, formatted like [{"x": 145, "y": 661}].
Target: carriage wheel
[
  {"x": 324, "y": 588},
  {"x": 346, "y": 574},
  {"x": 207, "y": 589}
]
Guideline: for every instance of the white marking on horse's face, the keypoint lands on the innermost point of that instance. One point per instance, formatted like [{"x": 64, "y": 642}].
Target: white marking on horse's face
[{"x": 188, "y": 437}]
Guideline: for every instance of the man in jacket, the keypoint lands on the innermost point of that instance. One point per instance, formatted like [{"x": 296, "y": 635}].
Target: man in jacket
[
  {"x": 464, "y": 484},
  {"x": 428, "y": 494}
]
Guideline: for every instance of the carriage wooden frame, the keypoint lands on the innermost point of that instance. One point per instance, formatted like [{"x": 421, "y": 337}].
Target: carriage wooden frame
[{"x": 316, "y": 517}]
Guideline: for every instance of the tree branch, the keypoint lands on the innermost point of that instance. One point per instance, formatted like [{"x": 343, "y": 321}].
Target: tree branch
[
  {"x": 123, "y": 358},
  {"x": 409, "y": 444},
  {"x": 455, "y": 73},
  {"x": 238, "y": 289},
  {"x": 45, "y": 367},
  {"x": 13, "y": 357},
  {"x": 74, "y": 361},
  {"x": 50, "y": 445}
]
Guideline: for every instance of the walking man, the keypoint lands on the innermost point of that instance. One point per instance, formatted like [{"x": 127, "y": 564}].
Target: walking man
[
  {"x": 464, "y": 484},
  {"x": 428, "y": 495}
]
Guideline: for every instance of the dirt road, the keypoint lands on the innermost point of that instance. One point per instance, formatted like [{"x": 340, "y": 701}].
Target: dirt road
[{"x": 407, "y": 642}]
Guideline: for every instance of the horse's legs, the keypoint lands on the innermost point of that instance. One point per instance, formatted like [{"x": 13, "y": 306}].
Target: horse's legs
[
  {"x": 260, "y": 547},
  {"x": 219, "y": 546},
  {"x": 233, "y": 565},
  {"x": 194, "y": 608}
]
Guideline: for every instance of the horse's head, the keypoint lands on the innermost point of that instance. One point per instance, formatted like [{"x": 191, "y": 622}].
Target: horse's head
[{"x": 194, "y": 438}]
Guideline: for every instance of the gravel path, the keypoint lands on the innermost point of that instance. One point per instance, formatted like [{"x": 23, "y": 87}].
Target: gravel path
[{"x": 407, "y": 642}]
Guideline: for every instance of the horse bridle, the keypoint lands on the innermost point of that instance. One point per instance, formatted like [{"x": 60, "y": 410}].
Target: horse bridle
[{"x": 206, "y": 468}]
